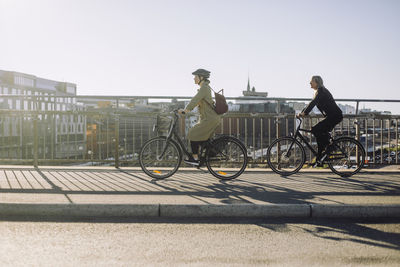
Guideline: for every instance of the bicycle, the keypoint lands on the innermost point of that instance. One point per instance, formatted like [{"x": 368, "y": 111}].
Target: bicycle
[
  {"x": 345, "y": 156},
  {"x": 225, "y": 156}
]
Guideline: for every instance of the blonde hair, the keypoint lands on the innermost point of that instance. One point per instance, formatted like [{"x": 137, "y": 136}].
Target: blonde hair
[{"x": 318, "y": 80}]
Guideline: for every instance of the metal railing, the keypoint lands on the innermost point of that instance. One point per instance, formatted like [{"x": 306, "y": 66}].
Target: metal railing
[
  {"x": 52, "y": 137},
  {"x": 114, "y": 135}
]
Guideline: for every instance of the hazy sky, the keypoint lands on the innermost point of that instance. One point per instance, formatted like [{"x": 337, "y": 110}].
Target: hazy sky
[{"x": 150, "y": 47}]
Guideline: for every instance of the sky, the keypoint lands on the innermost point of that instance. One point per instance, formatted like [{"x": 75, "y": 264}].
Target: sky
[{"x": 151, "y": 47}]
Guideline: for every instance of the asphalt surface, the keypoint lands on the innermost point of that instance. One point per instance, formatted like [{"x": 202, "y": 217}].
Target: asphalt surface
[
  {"x": 195, "y": 193},
  {"x": 213, "y": 242}
]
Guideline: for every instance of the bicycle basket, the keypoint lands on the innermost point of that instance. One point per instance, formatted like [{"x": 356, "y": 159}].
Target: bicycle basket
[{"x": 162, "y": 124}]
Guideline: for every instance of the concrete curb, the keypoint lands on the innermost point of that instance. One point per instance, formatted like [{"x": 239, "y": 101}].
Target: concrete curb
[
  {"x": 236, "y": 210},
  {"x": 79, "y": 210},
  {"x": 201, "y": 211},
  {"x": 354, "y": 211}
]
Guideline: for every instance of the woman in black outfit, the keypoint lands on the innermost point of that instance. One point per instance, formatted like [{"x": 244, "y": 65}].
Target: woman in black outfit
[{"x": 328, "y": 107}]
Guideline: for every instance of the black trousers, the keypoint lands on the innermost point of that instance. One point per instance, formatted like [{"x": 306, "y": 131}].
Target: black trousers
[
  {"x": 321, "y": 131},
  {"x": 195, "y": 146}
]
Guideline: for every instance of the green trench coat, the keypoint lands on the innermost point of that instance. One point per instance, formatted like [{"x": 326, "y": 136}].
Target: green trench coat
[{"x": 209, "y": 120}]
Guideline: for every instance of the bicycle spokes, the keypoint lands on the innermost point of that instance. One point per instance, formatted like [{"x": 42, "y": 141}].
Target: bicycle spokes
[
  {"x": 160, "y": 158},
  {"x": 347, "y": 156},
  {"x": 285, "y": 156},
  {"x": 226, "y": 158}
]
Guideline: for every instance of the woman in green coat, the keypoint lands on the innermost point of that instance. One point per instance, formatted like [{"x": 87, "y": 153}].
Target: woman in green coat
[{"x": 209, "y": 119}]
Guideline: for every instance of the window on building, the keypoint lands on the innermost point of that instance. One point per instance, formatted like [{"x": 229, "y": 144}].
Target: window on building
[{"x": 71, "y": 89}]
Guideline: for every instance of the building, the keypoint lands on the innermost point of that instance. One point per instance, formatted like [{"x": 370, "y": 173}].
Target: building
[
  {"x": 253, "y": 91},
  {"x": 347, "y": 109},
  {"x": 29, "y": 97}
]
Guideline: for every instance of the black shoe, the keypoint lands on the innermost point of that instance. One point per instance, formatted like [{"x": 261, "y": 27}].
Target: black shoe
[
  {"x": 327, "y": 150},
  {"x": 319, "y": 161},
  {"x": 192, "y": 161}
]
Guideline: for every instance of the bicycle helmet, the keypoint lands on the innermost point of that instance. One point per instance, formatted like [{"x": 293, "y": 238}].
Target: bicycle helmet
[{"x": 202, "y": 73}]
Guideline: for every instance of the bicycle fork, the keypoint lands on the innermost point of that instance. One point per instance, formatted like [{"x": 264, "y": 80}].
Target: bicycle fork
[{"x": 160, "y": 156}]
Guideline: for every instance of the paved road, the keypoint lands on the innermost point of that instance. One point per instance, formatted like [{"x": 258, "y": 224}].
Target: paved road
[{"x": 200, "y": 243}]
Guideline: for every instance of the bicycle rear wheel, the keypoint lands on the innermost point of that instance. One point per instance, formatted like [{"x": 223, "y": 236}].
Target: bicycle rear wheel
[
  {"x": 226, "y": 158},
  {"x": 347, "y": 156},
  {"x": 160, "y": 159},
  {"x": 286, "y": 156}
]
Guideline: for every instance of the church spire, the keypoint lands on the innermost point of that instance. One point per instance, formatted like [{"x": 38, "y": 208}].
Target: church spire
[{"x": 251, "y": 91}]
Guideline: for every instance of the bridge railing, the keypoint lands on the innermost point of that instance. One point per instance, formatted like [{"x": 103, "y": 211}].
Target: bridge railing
[
  {"x": 115, "y": 138},
  {"x": 113, "y": 134}
]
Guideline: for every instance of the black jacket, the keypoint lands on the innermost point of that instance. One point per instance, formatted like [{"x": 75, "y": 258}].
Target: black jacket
[{"x": 325, "y": 103}]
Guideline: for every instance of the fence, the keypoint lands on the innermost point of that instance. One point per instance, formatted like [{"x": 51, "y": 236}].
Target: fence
[{"x": 114, "y": 136}]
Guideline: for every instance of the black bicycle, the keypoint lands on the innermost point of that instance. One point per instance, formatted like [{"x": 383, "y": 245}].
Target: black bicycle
[
  {"x": 345, "y": 156},
  {"x": 225, "y": 156}
]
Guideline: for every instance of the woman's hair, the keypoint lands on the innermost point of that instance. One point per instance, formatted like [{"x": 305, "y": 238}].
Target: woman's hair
[
  {"x": 205, "y": 80},
  {"x": 318, "y": 81}
]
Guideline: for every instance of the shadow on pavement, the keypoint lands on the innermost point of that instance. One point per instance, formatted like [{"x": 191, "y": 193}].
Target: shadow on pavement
[
  {"x": 357, "y": 231},
  {"x": 361, "y": 231},
  {"x": 249, "y": 188}
]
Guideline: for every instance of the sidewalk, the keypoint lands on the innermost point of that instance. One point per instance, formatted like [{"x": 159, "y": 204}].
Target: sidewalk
[{"x": 106, "y": 191}]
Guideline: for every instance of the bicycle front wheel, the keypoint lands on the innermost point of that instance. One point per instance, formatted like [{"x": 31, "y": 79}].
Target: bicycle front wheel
[
  {"x": 226, "y": 158},
  {"x": 286, "y": 156},
  {"x": 160, "y": 158},
  {"x": 347, "y": 156}
]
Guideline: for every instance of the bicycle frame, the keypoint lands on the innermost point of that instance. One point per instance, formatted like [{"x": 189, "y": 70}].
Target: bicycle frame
[
  {"x": 299, "y": 135},
  {"x": 172, "y": 134},
  {"x": 215, "y": 153},
  {"x": 302, "y": 138}
]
